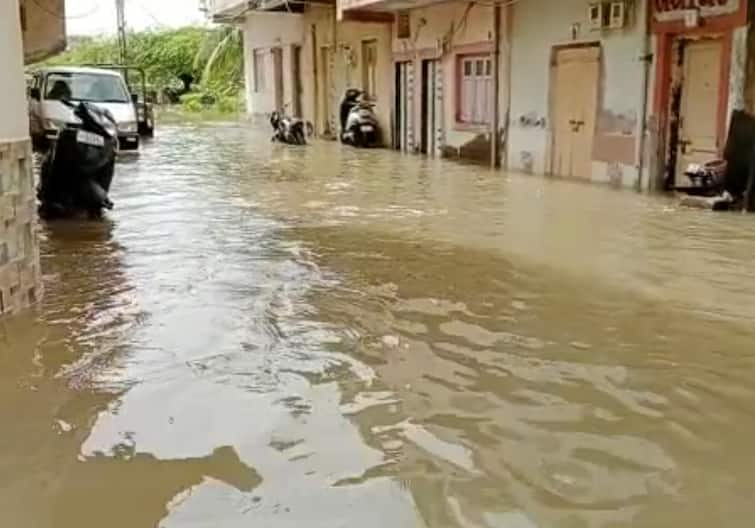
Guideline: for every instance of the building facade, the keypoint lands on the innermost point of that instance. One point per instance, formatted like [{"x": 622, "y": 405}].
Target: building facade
[
  {"x": 31, "y": 31},
  {"x": 443, "y": 56},
  {"x": 578, "y": 89},
  {"x": 622, "y": 92},
  {"x": 300, "y": 58},
  {"x": 701, "y": 71}
]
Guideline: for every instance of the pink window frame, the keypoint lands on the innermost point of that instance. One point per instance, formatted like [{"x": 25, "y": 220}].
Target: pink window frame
[{"x": 482, "y": 50}]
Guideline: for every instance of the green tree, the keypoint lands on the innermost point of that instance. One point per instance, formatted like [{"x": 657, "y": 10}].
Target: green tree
[{"x": 208, "y": 60}]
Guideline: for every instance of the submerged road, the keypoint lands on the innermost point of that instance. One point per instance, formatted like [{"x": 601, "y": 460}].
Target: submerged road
[{"x": 272, "y": 336}]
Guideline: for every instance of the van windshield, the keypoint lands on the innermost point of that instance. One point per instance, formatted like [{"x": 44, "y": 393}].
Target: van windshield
[{"x": 93, "y": 87}]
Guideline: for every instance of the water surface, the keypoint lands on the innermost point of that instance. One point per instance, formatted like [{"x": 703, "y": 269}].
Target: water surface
[{"x": 263, "y": 335}]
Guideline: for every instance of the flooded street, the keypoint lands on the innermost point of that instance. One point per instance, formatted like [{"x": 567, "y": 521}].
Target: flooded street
[{"x": 264, "y": 335}]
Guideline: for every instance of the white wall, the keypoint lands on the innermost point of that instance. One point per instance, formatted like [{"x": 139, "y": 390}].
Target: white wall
[
  {"x": 537, "y": 26},
  {"x": 14, "y": 121},
  {"x": 265, "y": 31}
]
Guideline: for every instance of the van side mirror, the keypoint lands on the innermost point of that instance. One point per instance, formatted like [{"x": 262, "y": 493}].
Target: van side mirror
[
  {"x": 135, "y": 98},
  {"x": 35, "y": 94}
]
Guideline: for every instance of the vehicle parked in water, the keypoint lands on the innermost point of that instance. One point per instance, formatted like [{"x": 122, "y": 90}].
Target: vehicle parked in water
[
  {"x": 77, "y": 170},
  {"x": 107, "y": 89},
  {"x": 359, "y": 124},
  {"x": 144, "y": 101},
  {"x": 288, "y": 129}
]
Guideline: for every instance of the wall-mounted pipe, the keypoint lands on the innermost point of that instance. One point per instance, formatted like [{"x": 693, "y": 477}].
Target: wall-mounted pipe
[
  {"x": 495, "y": 118},
  {"x": 647, "y": 60}
]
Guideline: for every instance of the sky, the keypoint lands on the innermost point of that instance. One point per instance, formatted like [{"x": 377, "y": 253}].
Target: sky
[{"x": 93, "y": 17}]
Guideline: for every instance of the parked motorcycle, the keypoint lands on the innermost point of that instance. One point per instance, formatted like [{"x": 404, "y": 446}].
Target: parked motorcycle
[
  {"x": 359, "y": 124},
  {"x": 707, "y": 179},
  {"x": 288, "y": 129},
  {"x": 77, "y": 171}
]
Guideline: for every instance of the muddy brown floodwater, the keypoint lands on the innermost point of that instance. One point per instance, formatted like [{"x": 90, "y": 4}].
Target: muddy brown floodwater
[{"x": 271, "y": 336}]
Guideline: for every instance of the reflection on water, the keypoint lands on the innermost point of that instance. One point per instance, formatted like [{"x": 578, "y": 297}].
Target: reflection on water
[{"x": 327, "y": 337}]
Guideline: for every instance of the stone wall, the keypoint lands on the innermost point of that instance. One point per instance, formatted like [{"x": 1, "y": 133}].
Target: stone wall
[{"x": 19, "y": 255}]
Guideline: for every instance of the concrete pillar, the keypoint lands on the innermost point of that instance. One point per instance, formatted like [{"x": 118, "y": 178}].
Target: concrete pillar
[{"x": 19, "y": 252}]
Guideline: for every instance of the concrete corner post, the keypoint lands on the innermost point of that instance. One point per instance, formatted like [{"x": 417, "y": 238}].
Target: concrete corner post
[
  {"x": 19, "y": 250},
  {"x": 495, "y": 120}
]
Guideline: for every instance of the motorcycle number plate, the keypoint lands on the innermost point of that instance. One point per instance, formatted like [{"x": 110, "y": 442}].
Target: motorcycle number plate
[
  {"x": 88, "y": 138},
  {"x": 366, "y": 128}
]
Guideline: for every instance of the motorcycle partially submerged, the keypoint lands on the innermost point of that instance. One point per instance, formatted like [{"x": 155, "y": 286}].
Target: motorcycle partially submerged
[
  {"x": 288, "y": 129},
  {"x": 359, "y": 124},
  {"x": 78, "y": 169}
]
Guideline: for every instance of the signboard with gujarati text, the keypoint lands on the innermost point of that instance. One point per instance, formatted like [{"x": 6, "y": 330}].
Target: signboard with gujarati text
[{"x": 675, "y": 10}]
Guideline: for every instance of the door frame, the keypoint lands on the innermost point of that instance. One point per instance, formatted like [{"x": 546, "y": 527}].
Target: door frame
[
  {"x": 424, "y": 109},
  {"x": 398, "y": 91},
  {"x": 296, "y": 80},
  {"x": 404, "y": 104},
  {"x": 278, "y": 90},
  {"x": 555, "y": 50},
  {"x": 428, "y": 91},
  {"x": 325, "y": 84},
  {"x": 668, "y": 96}
]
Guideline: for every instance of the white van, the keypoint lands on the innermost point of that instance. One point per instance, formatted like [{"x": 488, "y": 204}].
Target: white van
[{"x": 107, "y": 89}]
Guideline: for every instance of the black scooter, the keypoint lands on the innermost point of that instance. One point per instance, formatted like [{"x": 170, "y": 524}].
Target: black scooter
[
  {"x": 288, "y": 129},
  {"x": 359, "y": 124},
  {"x": 78, "y": 169}
]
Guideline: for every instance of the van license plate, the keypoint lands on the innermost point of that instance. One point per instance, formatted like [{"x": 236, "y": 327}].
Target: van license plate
[
  {"x": 88, "y": 138},
  {"x": 366, "y": 128}
]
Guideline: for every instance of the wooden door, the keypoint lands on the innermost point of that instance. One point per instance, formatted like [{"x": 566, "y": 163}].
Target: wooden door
[
  {"x": 698, "y": 112},
  {"x": 296, "y": 80},
  {"x": 576, "y": 74},
  {"x": 278, "y": 77}
]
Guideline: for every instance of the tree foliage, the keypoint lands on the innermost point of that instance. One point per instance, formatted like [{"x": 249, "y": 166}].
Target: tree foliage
[{"x": 212, "y": 58}]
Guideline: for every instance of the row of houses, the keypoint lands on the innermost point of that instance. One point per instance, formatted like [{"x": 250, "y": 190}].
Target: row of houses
[{"x": 627, "y": 92}]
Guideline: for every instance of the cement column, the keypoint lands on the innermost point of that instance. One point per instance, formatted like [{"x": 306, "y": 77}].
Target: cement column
[{"x": 19, "y": 253}]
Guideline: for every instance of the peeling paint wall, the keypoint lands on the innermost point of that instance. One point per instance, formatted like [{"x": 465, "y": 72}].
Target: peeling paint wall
[{"x": 538, "y": 26}]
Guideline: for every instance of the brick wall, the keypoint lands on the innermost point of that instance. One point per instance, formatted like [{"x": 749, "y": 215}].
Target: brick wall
[{"x": 19, "y": 251}]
